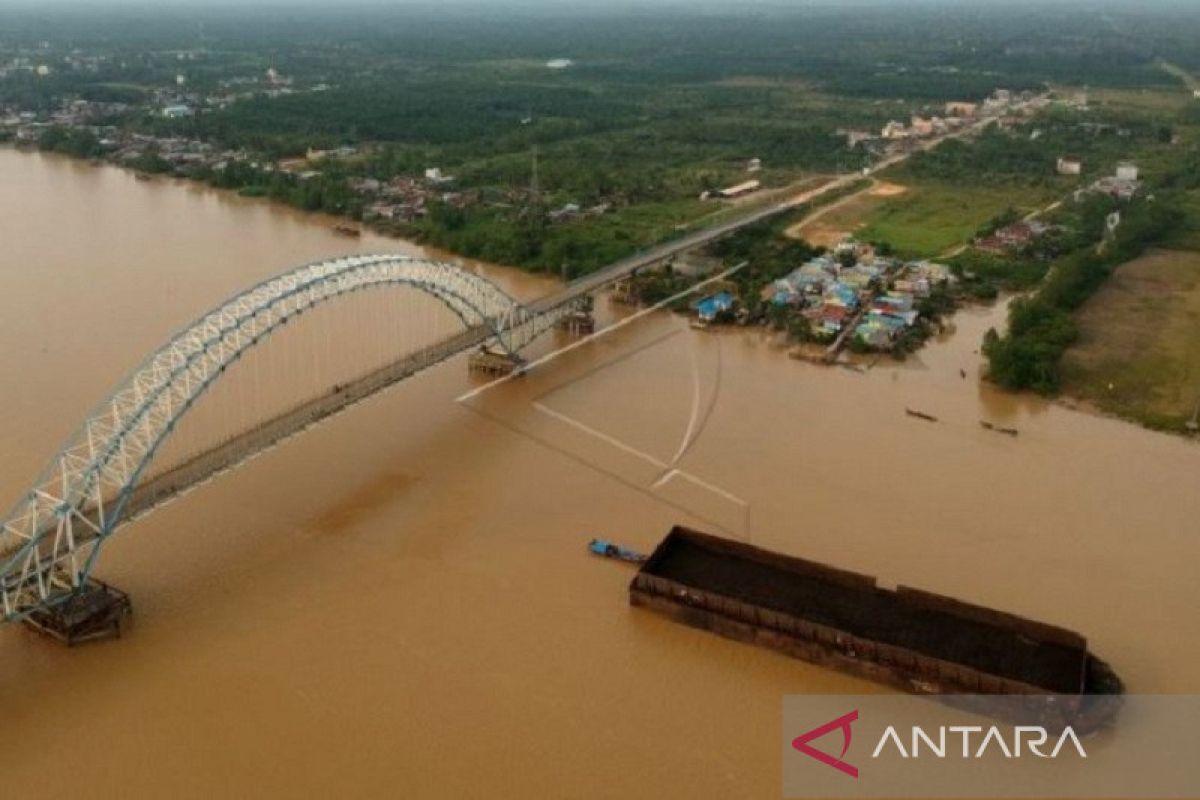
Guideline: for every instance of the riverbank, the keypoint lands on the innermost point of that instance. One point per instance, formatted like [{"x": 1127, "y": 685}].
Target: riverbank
[{"x": 466, "y": 522}]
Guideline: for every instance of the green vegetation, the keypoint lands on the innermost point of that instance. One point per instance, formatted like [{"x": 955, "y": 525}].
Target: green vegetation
[
  {"x": 654, "y": 109},
  {"x": 650, "y": 111},
  {"x": 932, "y": 217},
  {"x": 75, "y": 142},
  {"x": 1041, "y": 328},
  {"x": 1027, "y": 154},
  {"x": 770, "y": 254},
  {"x": 982, "y": 275}
]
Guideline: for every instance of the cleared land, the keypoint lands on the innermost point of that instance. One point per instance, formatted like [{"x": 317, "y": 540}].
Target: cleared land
[
  {"x": 918, "y": 220},
  {"x": 930, "y": 218},
  {"x": 1138, "y": 354},
  {"x": 828, "y": 226}
]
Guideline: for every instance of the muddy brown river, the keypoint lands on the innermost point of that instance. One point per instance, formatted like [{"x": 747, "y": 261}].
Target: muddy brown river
[{"x": 399, "y": 602}]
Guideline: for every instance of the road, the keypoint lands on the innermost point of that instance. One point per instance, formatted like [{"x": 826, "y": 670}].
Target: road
[{"x": 638, "y": 261}]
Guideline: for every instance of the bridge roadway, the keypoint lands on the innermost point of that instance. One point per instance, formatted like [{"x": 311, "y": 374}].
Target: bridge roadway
[{"x": 160, "y": 488}]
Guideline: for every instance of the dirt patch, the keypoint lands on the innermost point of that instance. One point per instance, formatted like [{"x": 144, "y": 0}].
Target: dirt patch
[
  {"x": 885, "y": 189},
  {"x": 820, "y": 234},
  {"x": 830, "y": 225}
]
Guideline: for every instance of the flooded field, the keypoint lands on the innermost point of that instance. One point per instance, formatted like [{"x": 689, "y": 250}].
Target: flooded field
[{"x": 399, "y": 602}]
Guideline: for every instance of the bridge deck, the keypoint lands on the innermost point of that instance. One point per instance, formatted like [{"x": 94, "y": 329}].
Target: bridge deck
[{"x": 162, "y": 487}]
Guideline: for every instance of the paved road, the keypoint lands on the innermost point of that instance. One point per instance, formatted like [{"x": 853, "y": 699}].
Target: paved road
[{"x": 627, "y": 266}]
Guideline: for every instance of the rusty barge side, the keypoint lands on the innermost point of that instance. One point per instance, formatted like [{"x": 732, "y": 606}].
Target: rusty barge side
[{"x": 913, "y": 640}]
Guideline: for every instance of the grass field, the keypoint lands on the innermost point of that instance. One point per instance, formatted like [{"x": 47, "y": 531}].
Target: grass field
[
  {"x": 1138, "y": 355},
  {"x": 929, "y": 219},
  {"x": 1155, "y": 101},
  {"x": 828, "y": 226}
]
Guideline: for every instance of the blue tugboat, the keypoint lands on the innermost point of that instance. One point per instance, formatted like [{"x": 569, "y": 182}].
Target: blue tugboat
[{"x": 610, "y": 550}]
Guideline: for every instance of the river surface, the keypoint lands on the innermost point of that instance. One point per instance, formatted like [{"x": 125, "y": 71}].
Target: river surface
[{"x": 399, "y": 603}]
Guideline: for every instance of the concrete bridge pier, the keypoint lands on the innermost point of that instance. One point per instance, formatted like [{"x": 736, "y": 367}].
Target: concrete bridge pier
[
  {"x": 494, "y": 362},
  {"x": 578, "y": 323}
]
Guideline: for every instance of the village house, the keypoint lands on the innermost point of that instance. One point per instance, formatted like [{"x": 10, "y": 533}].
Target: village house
[
  {"x": 1069, "y": 165},
  {"x": 360, "y": 185},
  {"x": 1012, "y": 237},
  {"x": 1123, "y": 185},
  {"x": 739, "y": 190},
  {"x": 921, "y": 126},
  {"x": 894, "y": 130},
  {"x": 709, "y": 308},
  {"x": 566, "y": 212},
  {"x": 1127, "y": 171},
  {"x": 855, "y": 137}
]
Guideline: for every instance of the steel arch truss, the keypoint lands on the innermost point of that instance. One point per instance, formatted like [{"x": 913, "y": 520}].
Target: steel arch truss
[{"x": 49, "y": 541}]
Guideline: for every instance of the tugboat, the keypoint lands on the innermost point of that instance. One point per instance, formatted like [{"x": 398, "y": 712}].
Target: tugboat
[{"x": 610, "y": 550}]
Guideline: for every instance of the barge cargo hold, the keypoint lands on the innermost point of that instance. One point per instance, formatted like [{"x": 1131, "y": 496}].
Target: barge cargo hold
[{"x": 913, "y": 640}]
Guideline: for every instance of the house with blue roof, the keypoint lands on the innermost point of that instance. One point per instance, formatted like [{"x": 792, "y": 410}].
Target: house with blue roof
[{"x": 708, "y": 308}]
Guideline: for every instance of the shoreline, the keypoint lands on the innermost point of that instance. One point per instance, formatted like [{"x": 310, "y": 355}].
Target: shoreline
[{"x": 790, "y": 351}]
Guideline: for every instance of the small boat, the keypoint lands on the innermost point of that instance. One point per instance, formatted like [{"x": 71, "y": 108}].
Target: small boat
[
  {"x": 347, "y": 230},
  {"x": 610, "y": 550},
  {"x": 143, "y": 176},
  {"x": 920, "y": 415},
  {"x": 1006, "y": 431}
]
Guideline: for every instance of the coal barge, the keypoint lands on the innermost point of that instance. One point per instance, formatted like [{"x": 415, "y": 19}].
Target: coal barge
[{"x": 910, "y": 639}]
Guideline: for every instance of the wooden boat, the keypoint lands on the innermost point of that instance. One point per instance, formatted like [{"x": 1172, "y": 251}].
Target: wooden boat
[
  {"x": 347, "y": 230},
  {"x": 609, "y": 550},
  {"x": 920, "y": 415},
  {"x": 1006, "y": 431}
]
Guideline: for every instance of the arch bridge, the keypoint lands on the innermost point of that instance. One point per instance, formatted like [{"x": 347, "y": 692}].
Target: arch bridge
[{"x": 98, "y": 480}]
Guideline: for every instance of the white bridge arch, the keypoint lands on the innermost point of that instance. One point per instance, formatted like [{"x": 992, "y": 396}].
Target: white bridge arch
[{"x": 49, "y": 541}]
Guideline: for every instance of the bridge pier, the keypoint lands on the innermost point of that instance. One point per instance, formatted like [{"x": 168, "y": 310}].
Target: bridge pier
[
  {"x": 95, "y": 611},
  {"x": 577, "y": 323},
  {"x": 493, "y": 362}
]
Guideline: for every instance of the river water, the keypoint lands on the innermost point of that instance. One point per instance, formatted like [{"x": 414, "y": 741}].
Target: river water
[{"x": 399, "y": 602}]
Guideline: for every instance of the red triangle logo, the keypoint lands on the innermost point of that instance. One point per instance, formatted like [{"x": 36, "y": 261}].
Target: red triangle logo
[{"x": 801, "y": 743}]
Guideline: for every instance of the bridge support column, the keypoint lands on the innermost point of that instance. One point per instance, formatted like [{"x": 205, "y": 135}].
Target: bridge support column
[
  {"x": 96, "y": 611},
  {"x": 578, "y": 323},
  {"x": 494, "y": 362}
]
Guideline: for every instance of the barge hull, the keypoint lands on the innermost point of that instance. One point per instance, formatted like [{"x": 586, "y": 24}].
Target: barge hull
[{"x": 805, "y": 610}]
